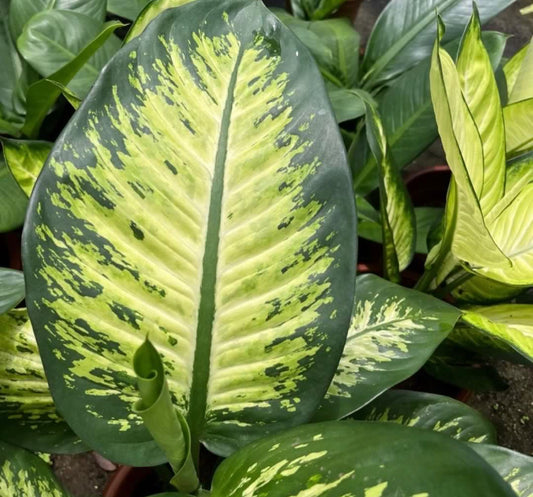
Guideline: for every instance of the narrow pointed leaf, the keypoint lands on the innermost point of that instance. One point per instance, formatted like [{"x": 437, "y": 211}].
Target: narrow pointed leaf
[
  {"x": 25, "y": 159},
  {"x": 518, "y": 127},
  {"x": 28, "y": 417},
  {"x": 205, "y": 201},
  {"x": 478, "y": 86},
  {"x": 350, "y": 458},
  {"x": 25, "y": 474},
  {"x": 515, "y": 468},
  {"x": 43, "y": 93},
  {"x": 430, "y": 412},
  {"x": 11, "y": 289},
  {"x": 519, "y": 78},
  {"x": 54, "y": 38},
  {"x": 393, "y": 332},
  {"x": 13, "y": 201},
  {"x": 512, "y": 323},
  {"x": 405, "y": 32},
  {"x": 397, "y": 214},
  {"x": 149, "y": 13},
  {"x": 464, "y": 153}
]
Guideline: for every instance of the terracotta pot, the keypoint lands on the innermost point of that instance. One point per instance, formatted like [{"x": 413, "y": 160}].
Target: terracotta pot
[{"x": 127, "y": 481}]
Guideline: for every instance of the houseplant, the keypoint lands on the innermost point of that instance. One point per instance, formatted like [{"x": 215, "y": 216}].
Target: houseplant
[{"x": 405, "y": 348}]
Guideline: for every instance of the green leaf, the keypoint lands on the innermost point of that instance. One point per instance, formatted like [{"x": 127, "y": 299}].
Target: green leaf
[
  {"x": 128, "y": 9},
  {"x": 480, "y": 290},
  {"x": 25, "y": 159},
  {"x": 199, "y": 202},
  {"x": 42, "y": 94},
  {"x": 10, "y": 119},
  {"x": 405, "y": 32},
  {"x": 464, "y": 153},
  {"x": 13, "y": 201},
  {"x": 479, "y": 90},
  {"x": 351, "y": 458},
  {"x": 518, "y": 119},
  {"x": 515, "y": 468},
  {"x": 314, "y": 9},
  {"x": 55, "y": 38},
  {"x": 23, "y": 474},
  {"x": 393, "y": 332},
  {"x": 430, "y": 412},
  {"x": 512, "y": 323},
  {"x": 518, "y": 73},
  {"x": 167, "y": 425},
  {"x": 28, "y": 417},
  {"x": 149, "y": 13},
  {"x": 346, "y": 104},
  {"x": 397, "y": 215},
  {"x": 11, "y": 289},
  {"x": 22, "y": 11}
]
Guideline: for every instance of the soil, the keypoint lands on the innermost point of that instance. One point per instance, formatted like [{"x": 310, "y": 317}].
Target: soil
[{"x": 511, "y": 411}]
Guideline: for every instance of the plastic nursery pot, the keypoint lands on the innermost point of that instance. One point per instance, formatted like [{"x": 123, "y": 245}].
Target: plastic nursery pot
[{"x": 127, "y": 481}]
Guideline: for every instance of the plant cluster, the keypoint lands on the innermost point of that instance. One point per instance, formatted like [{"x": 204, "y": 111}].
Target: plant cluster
[{"x": 190, "y": 244}]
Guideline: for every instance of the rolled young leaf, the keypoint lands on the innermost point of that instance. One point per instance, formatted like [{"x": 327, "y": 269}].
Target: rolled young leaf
[
  {"x": 205, "y": 201},
  {"x": 165, "y": 423},
  {"x": 430, "y": 412},
  {"x": 393, "y": 332},
  {"x": 25, "y": 159},
  {"x": 23, "y": 474},
  {"x": 357, "y": 458},
  {"x": 28, "y": 417}
]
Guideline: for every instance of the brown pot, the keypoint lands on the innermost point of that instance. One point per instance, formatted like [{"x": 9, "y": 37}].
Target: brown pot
[{"x": 126, "y": 480}]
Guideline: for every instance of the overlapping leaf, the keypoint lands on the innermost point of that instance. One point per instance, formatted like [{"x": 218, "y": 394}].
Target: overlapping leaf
[
  {"x": 430, "y": 412},
  {"x": 27, "y": 412},
  {"x": 349, "y": 459},
  {"x": 129, "y": 9},
  {"x": 13, "y": 202},
  {"x": 23, "y": 474},
  {"x": 11, "y": 289},
  {"x": 205, "y": 200},
  {"x": 393, "y": 332}
]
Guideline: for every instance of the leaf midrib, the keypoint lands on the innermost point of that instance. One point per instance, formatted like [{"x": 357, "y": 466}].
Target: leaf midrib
[{"x": 206, "y": 310}]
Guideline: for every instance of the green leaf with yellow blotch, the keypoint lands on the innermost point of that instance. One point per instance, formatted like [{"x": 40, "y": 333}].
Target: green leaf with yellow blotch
[
  {"x": 430, "y": 412},
  {"x": 28, "y": 417},
  {"x": 358, "y": 459},
  {"x": 200, "y": 195},
  {"x": 393, "y": 332},
  {"x": 25, "y": 159},
  {"x": 515, "y": 468},
  {"x": 25, "y": 474}
]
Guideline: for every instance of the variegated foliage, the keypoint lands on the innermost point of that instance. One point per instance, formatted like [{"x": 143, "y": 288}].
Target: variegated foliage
[
  {"x": 392, "y": 333},
  {"x": 28, "y": 416},
  {"x": 357, "y": 459},
  {"x": 23, "y": 474},
  {"x": 489, "y": 212},
  {"x": 200, "y": 196}
]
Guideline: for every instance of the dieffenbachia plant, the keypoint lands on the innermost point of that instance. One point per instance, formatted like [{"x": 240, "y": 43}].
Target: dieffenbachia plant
[
  {"x": 203, "y": 201},
  {"x": 488, "y": 207}
]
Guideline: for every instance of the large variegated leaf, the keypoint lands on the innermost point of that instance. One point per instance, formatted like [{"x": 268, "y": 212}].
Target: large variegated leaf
[
  {"x": 28, "y": 417},
  {"x": 357, "y": 459},
  {"x": 205, "y": 201},
  {"x": 404, "y": 33},
  {"x": 510, "y": 323},
  {"x": 23, "y": 474},
  {"x": 430, "y": 412},
  {"x": 515, "y": 468},
  {"x": 393, "y": 332}
]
